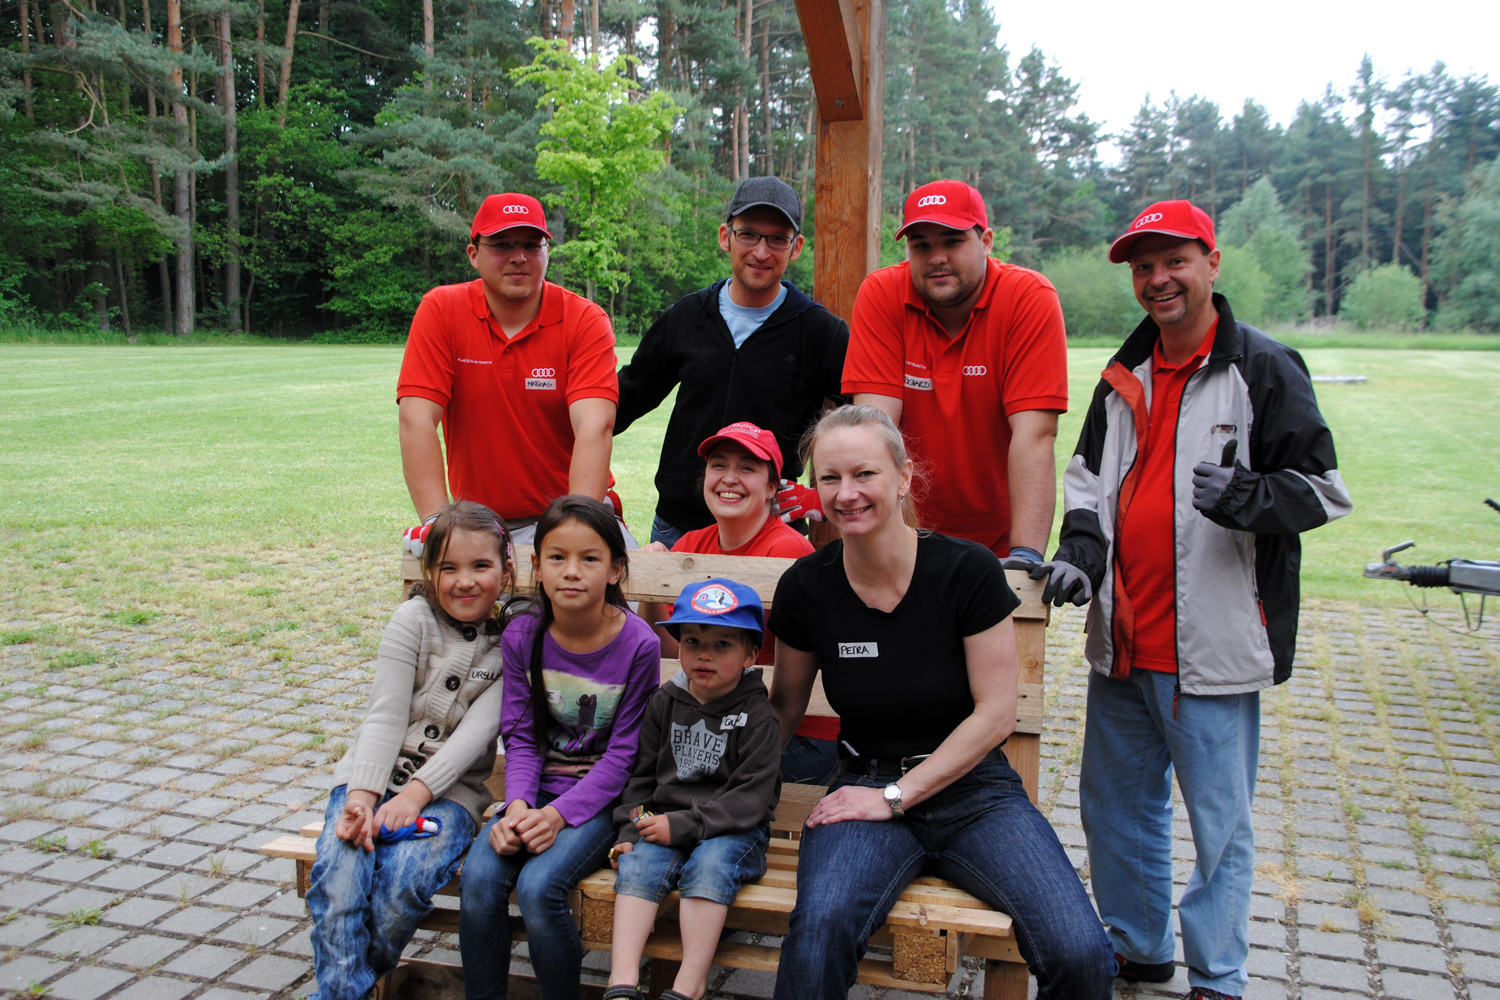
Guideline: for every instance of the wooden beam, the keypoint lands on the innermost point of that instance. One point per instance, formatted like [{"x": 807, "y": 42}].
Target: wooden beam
[
  {"x": 846, "y": 244},
  {"x": 830, "y": 29}
]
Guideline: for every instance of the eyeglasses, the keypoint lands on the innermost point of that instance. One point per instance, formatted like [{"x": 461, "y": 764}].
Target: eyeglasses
[
  {"x": 749, "y": 238},
  {"x": 530, "y": 248}
]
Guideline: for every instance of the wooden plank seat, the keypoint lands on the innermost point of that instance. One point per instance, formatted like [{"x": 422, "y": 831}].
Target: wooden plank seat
[{"x": 930, "y": 928}]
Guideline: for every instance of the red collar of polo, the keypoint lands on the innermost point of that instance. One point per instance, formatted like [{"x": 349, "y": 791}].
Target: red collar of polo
[{"x": 550, "y": 313}]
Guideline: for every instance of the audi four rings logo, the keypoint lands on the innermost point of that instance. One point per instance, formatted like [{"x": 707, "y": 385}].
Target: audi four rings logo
[
  {"x": 515, "y": 210},
  {"x": 975, "y": 370},
  {"x": 1143, "y": 220},
  {"x": 932, "y": 199},
  {"x": 543, "y": 372}
]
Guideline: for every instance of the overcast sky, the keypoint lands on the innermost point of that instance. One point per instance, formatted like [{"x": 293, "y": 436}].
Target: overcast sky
[{"x": 1276, "y": 51}]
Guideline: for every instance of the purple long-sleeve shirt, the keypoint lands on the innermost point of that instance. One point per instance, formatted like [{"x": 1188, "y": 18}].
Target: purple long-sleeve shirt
[{"x": 597, "y": 700}]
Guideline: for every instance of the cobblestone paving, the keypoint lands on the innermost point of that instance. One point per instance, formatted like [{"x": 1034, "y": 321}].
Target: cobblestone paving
[{"x": 144, "y": 759}]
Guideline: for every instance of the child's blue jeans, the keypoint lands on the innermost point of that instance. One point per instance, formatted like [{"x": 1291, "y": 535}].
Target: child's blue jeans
[
  {"x": 541, "y": 883},
  {"x": 712, "y": 869},
  {"x": 365, "y": 905}
]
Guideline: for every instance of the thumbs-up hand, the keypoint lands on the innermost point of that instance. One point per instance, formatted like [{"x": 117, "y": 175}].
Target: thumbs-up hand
[{"x": 1210, "y": 481}]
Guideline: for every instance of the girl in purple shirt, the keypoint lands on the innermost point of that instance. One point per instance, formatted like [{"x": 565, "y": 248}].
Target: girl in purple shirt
[{"x": 577, "y": 674}]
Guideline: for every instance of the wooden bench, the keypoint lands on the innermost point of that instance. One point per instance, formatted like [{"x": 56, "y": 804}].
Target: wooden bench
[{"x": 931, "y": 927}]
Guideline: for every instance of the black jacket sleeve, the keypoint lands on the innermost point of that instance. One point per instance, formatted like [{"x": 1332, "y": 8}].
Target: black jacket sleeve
[
  {"x": 1081, "y": 540},
  {"x": 832, "y": 371},
  {"x": 651, "y": 374},
  {"x": 1296, "y": 484}
]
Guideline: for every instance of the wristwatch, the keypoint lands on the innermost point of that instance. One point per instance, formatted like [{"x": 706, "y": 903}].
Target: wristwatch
[{"x": 892, "y": 793}]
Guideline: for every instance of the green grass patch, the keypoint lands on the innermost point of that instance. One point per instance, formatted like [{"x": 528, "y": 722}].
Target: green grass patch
[
  {"x": 182, "y": 474},
  {"x": 1373, "y": 340},
  {"x": 131, "y": 617},
  {"x": 22, "y": 636},
  {"x": 73, "y": 658}
]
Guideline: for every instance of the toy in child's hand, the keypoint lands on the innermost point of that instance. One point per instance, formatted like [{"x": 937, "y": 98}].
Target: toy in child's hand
[
  {"x": 425, "y": 826},
  {"x": 639, "y": 813}
]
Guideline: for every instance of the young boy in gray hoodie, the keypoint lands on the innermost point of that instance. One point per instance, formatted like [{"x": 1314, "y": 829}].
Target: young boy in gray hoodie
[{"x": 696, "y": 813}]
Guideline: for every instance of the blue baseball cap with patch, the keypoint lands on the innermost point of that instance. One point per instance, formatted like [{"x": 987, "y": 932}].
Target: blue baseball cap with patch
[{"x": 717, "y": 602}]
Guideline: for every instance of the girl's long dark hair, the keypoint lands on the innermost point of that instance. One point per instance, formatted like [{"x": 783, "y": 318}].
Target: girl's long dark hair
[
  {"x": 592, "y": 514},
  {"x": 468, "y": 516}
]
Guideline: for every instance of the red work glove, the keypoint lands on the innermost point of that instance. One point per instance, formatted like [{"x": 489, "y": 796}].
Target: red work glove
[
  {"x": 413, "y": 539},
  {"x": 796, "y": 500}
]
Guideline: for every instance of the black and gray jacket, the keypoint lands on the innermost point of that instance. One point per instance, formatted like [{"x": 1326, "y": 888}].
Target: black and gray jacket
[
  {"x": 777, "y": 380},
  {"x": 712, "y": 769},
  {"x": 1237, "y": 566}
]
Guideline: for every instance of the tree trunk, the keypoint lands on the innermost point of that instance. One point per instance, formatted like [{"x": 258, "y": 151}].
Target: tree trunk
[
  {"x": 26, "y": 50},
  {"x": 428, "y": 42},
  {"x": 293, "y": 7},
  {"x": 260, "y": 58},
  {"x": 765, "y": 98},
  {"x": 150, "y": 94},
  {"x": 182, "y": 179},
  {"x": 594, "y": 28},
  {"x": 565, "y": 22},
  {"x": 1330, "y": 250},
  {"x": 231, "y": 177},
  {"x": 124, "y": 297},
  {"x": 1400, "y": 211},
  {"x": 324, "y": 26},
  {"x": 1367, "y": 259},
  {"x": 96, "y": 275},
  {"x": 1426, "y": 243}
]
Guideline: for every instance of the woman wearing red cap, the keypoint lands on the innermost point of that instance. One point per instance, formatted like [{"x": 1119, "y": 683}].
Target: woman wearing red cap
[{"x": 742, "y": 467}]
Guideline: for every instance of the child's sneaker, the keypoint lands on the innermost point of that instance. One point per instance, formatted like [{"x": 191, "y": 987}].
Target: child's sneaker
[
  {"x": 1204, "y": 993},
  {"x": 624, "y": 993}
]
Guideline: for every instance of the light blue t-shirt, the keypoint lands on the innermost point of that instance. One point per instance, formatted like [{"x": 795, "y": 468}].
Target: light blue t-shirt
[{"x": 743, "y": 322}]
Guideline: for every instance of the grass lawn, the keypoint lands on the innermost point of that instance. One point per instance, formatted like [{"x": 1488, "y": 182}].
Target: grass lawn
[{"x": 132, "y": 477}]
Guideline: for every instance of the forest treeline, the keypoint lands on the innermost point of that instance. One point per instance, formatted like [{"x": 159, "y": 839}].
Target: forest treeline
[{"x": 294, "y": 167}]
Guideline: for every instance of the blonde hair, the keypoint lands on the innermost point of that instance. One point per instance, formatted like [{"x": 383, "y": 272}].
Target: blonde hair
[{"x": 880, "y": 422}]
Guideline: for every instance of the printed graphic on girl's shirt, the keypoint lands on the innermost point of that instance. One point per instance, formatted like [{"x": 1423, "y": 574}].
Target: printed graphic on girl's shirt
[{"x": 580, "y": 707}]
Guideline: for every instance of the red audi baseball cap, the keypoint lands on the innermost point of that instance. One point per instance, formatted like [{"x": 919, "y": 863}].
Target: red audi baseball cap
[
  {"x": 760, "y": 443},
  {"x": 947, "y": 203},
  {"x": 507, "y": 211},
  {"x": 1174, "y": 218}
]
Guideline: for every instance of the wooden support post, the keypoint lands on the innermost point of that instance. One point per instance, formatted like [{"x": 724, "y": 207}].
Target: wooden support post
[
  {"x": 1006, "y": 980},
  {"x": 847, "y": 211}
]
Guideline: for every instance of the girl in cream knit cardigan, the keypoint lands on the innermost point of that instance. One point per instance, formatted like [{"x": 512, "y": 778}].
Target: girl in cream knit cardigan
[{"x": 423, "y": 752}]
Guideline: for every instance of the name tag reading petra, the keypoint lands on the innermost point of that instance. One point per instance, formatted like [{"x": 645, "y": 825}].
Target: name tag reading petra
[{"x": 851, "y": 650}]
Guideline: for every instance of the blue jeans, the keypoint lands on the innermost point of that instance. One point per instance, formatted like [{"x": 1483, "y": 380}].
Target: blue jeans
[
  {"x": 981, "y": 832},
  {"x": 712, "y": 869},
  {"x": 663, "y": 532},
  {"x": 1131, "y": 746},
  {"x": 365, "y": 905},
  {"x": 807, "y": 761},
  {"x": 541, "y": 883}
]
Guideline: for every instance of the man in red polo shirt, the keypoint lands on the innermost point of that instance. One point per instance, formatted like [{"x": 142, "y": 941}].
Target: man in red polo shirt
[
  {"x": 519, "y": 373},
  {"x": 1202, "y": 458},
  {"x": 969, "y": 357}
]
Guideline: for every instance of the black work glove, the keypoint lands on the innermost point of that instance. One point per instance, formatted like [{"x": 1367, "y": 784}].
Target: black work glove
[
  {"x": 1021, "y": 558},
  {"x": 1210, "y": 481},
  {"x": 1065, "y": 582}
]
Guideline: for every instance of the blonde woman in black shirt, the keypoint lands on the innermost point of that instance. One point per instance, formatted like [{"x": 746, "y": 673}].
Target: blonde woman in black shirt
[{"x": 912, "y": 632}]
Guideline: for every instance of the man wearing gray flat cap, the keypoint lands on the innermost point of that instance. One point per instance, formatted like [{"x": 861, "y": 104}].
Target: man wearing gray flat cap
[{"x": 752, "y": 347}]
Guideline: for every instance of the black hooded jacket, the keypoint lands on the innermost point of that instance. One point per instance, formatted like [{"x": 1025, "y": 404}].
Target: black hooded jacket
[{"x": 777, "y": 380}]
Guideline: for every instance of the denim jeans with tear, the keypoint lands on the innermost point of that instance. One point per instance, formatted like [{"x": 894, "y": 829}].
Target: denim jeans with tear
[
  {"x": 541, "y": 883},
  {"x": 365, "y": 905},
  {"x": 981, "y": 832},
  {"x": 1132, "y": 744}
]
